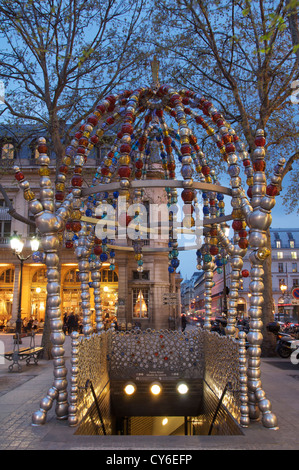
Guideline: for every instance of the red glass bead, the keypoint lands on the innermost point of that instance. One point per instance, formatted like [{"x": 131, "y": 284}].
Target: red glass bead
[
  {"x": 245, "y": 273},
  {"x": 138, "y": 174},
  {"x": 92, "y": 120},
  {"x": 246, "y": 162},
  {"x": 243, "y": 243},
  {"x": 230, "y": 148},
  {"x": 139, "y": 164},
  {"x": 242, "y": 234},
  {"x": 76, "y": 226},
  {"x": 68, "y": 226},
  {"x": 42, "y": 148},
  {"x": 19, "y": 176},
  {"x": 78, "y": 135},
  {"x": 237, "y": 225},
  {"x": 125, "y": 148},
  {"x": 199, "y": 120},
  {"x": 188, "y": 195},
  {"x": 127, "y": 129},
  {"x": 213, "y": 232},
  {"x": 271, "y": 190},
  {"x": 59, "y": 196},
  {"x": 159, "y": 112},
  {"x": 167, "y": 140},
  {"x": 124, "y": 172},
  {"x": 171, "y": 166},
  {"x": 101, "y": 108},
  {"x": 69, "y": 244},
  {"x": 205, "y": 170},
  {"x": 81, "y": 151},
  {"x": 77, "y": 181},
  {"x": 249, "y": 192},
  {"x": 97, "y": 249},
  {"x": 94, "y": 139},
  {"x": 260, "y": 141},
  {"x": 110, "y": 120},
  {"x": 104, "y": 171},
  {"x": 227, "y": 138},
  {"x": 259, "y": 165},
  {"x": 214, "y": 250},
  {"x": 83, "y": 142},
  {"x": 186, "y": 149}
]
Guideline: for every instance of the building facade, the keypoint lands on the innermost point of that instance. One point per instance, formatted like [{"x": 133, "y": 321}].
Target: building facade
[
  {"x": 130, "y": 296},
  {"x": 285, "y": 278}
]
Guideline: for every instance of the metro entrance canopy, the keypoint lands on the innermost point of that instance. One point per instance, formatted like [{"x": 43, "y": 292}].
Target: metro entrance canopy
[{"x": 146, "y": 137}]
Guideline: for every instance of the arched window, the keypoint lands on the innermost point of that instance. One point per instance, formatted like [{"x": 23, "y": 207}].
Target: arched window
[
  {"x": 7, "y": 276},
  {"x": 72, "y": 276},
  {"x": 108, "y": 276},
  {"x": 40, "y": 276}
]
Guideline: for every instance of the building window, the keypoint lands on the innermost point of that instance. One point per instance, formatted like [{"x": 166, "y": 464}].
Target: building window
[
  {"x": 279, "y": 255},
  {"x": 294, "y": 254},
  {"x": 40, "y": 276},
  {"x": 144, "y": 275},
  {"x": 7, "y": 276},
  {"x": 295, "y": 282},
  {"x": 7, "y": 151},
  {"x": 292, "y": 244},
  {"x": 294, "y": 267},
  {"x": 281, "y": 282},
  {"x": 280, "y": 267},
  {"x": 5, "y": 223},
  {"x": 278, "y": 244},
  {"x": 140, "y": 303}
]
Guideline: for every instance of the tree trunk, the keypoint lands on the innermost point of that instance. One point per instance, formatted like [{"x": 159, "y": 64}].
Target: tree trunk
[{"x": 269, "y": 341}]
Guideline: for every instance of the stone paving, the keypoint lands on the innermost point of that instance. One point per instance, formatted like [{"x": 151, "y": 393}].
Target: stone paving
[{"x": 21, "y": 392}]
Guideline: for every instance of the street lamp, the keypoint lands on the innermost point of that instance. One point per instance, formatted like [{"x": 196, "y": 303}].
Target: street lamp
[
  {"x": 283, "y": 287},
  {"x": 17, "y": 245}
]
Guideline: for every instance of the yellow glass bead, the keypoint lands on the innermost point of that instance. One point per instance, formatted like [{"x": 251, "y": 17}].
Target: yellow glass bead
[
  {"x": 97, "y": 113},
  {"x": 86, "y": 134},
  {"x": 99, "y": 132},
  {"x": 108, "y": 162},
  {"x": 66, "y": 160},
  {"x": 60, "y": 186},
  {"x": 29, "y": 195},
  {"x": 221, "y": 204},
  {"x": 90, "y": 146},
  {"x": 222, "y": 149},
  {"x": 76, "y": 215},
  {"x": 263, "y": 253},
  {"x": 208, "y": 179},
  {"x": 44, "y": 171},
  {"x": 138, "y": 257},
  {"x": 210, "y": 131},
  {"x": 214, "y": 241},
  {"x": 124, "y": 160},
  {"x": 198, "y": 168},
  {"x": 249, "y": 181}
]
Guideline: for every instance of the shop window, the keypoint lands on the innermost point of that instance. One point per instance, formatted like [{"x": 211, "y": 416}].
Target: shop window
[
  {"x": 40, "y": 276},
  {"x": 141, "y": 303},
  {"x": 108, "y": 276},
  {"x": 72, "y": 276}
]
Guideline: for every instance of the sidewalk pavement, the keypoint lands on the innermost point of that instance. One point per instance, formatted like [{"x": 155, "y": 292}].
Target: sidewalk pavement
[{"x": 21, "y": 393}]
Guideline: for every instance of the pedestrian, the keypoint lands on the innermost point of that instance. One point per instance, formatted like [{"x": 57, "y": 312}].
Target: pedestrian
[
  {"x": 184, "y": 322},
  {"x": 71, "y": 323},
  {"x": 65, "y": 323}
]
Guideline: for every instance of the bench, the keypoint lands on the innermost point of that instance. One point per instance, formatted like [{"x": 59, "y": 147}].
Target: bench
[{"x": 26, "y": 353}]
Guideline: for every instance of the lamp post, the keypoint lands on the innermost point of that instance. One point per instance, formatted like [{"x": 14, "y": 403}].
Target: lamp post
[
  {"x": 17, "y": 246},
  {"x": 283, "y": 287},
  {"x": 224, "y": 261}
]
